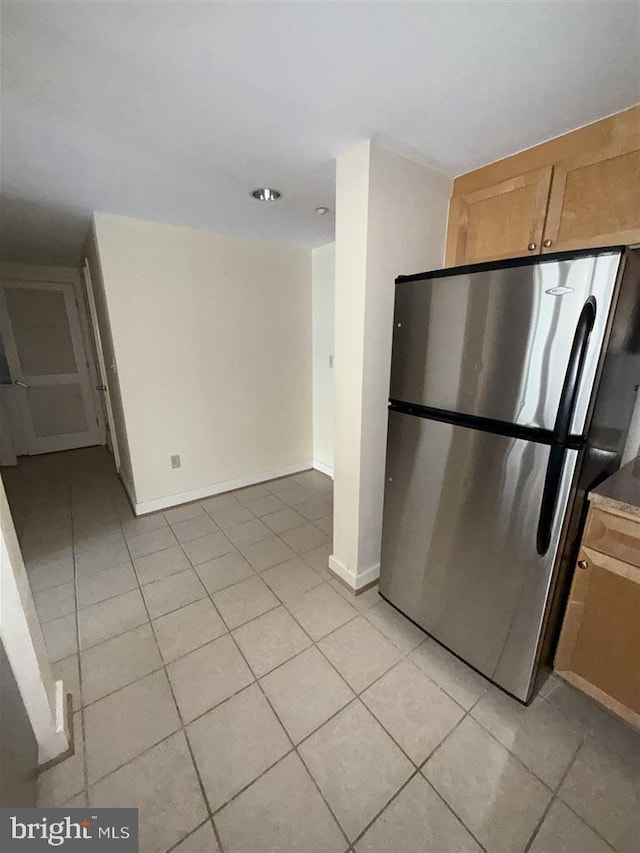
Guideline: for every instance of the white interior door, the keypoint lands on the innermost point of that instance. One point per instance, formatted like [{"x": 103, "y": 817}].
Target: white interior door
[{"x": 47, "y": 359}]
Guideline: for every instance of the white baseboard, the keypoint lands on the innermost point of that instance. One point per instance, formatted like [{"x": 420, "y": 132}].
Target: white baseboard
[
  {"x": 144, "y": 507},
  {"x": 128, "y": 487},
  {"x": 358, "y": 581},
  {"x": 58, "y": 741},
  {"x": 325, "y": 469}
]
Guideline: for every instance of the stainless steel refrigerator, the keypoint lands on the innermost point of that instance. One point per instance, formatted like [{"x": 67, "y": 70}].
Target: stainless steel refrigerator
[{"x": 512, "y": 388}]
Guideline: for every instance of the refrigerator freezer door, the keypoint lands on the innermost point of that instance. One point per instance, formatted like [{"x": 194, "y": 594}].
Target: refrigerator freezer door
[
  {"x": 496, "y": 344},
  {"x": 459, "y": 556}
]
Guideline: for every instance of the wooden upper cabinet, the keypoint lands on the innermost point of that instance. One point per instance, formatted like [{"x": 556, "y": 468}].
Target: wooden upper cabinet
[
  {"x": 579, "y": 190},
  {"x": 499, "y": 221},
  {"x": 594, "y": 201}
]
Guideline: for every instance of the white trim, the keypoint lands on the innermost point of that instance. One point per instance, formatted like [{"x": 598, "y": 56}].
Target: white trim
[
  {"x": 90, "y": 356},
  {"x": 325, "y": 469},
  {"x": 101, "y": 367},
  {"x": 128, "y": 487},
  {"x": 352, "y": 580},
  {"x": 24, "y": 645},
  {"x": 38, "y": 272},
  {"x": 155, "y": 504},
  {"x": 61, "y": 710}
]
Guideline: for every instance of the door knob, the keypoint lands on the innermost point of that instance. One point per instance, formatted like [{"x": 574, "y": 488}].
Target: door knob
[
  {"x": 583, "y": 564},
  {"x": 532, "y": 247},
  {"x": 101, "y": 387},
  {"x": 547, "y": 243},
  {"x": 20, "y": 383}
]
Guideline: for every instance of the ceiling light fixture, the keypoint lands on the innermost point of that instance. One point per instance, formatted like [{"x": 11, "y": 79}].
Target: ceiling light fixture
[
  {"x": 322, "y": 210},
  {"x": 266, "y": 194}
]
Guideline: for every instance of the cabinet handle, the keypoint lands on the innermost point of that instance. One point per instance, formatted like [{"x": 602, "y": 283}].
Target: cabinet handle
[
  {"x": 583, "y": 564},
  {"x": 547, "y": 243},
  {"x": 532, "y": 247}
]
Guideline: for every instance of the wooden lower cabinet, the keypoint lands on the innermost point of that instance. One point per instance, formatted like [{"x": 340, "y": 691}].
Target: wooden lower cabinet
[{"x": 599, "y": 647}]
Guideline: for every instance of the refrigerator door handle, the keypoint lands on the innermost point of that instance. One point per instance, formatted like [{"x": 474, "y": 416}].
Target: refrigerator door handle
[
  {"x": 553, "y": 476},
  {"x": 552, "y": 480},
  {"x": 573, "y": 373}
]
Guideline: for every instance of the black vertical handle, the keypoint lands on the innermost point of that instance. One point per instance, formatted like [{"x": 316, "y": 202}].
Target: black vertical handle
[
  {"x": 571, "y": 382},
  {"x": 562, "y": 425}
]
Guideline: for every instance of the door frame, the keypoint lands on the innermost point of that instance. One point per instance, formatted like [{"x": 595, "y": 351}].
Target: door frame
[
  {"x": 32, "y": 273},
  {"x": 101, "y": 364}
]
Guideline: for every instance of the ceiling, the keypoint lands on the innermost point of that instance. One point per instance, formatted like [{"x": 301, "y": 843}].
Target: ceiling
[{"x": 174, "y": 111}]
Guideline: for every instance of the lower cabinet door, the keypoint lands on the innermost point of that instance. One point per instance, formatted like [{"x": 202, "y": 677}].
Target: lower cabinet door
[{"x": 599, "y": 648}]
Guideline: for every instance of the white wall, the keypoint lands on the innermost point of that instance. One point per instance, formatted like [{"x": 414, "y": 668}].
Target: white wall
[
  {"x": 212, "y": 341},
  {"x": 391, "y": 216},
  {"x": 23, "y": 641},
  {"x": 323, "y": 267},
  {"x": 352, "y": 208}
]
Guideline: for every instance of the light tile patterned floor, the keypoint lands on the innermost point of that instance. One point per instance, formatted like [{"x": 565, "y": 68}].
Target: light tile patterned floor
[{"x": 245, "y": 701}]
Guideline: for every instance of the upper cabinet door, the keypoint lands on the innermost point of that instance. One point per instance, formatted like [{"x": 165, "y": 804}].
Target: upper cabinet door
[
  {"x": 504, "y": 220},
  {"x": 595, "y": 199}
]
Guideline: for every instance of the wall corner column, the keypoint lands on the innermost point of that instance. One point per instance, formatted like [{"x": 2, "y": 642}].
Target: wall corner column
[{"x": 391, "y": 217}]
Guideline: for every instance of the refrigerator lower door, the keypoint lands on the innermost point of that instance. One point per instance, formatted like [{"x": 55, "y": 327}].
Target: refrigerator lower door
[{"x": 461, "y": 515}]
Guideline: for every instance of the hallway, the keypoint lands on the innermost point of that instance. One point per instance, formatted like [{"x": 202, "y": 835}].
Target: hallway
[{"x": 221, "y": 678}]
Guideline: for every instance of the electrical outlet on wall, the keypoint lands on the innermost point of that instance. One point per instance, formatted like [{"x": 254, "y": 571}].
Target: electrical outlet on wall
[{"x": 175, "y": 461}]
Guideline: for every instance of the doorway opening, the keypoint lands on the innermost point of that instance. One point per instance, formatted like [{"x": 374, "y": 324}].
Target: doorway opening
[{"x": 52, "y": 390}]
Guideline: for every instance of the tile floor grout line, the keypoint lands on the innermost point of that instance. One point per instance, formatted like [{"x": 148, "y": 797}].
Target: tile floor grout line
[
  {"x": 404, "y": 656},
  {"x": 228, "y": 631},
  {"x": 182, "y": 728},
  {"x": 85, "y": 765},
  {"x": 589, "y": 732},
  {"x": 241, "y": 547},
  {"x": 584, "y": 820},
  {"x": 554, "y": 796},
  {"x": 469, "y": 714},
  {"x": 553, "y": 791},
  {"x": 422, "y": 767},
  {"x": 358, "y": 696},
  {"x": 192, "y": 832},
  {"x": 445, "y": 738},
  {"x": 181, "y": 656},
  {"x": 513, "y": 754},
  {"x": 415, "y": 772},
  {"x": 80, "y": 709},
  {"x": 557, "y": 798},
  {"x": 450, "y": 808},
  {"x": 313, "y": 643},
  {"x": 284, "y": 729},
  {"x": 115, "y": 636},
  {"x": 300, "y": 757},
  {"x": 138, "y": 755},
  {"x": 321, "y": 794}
]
